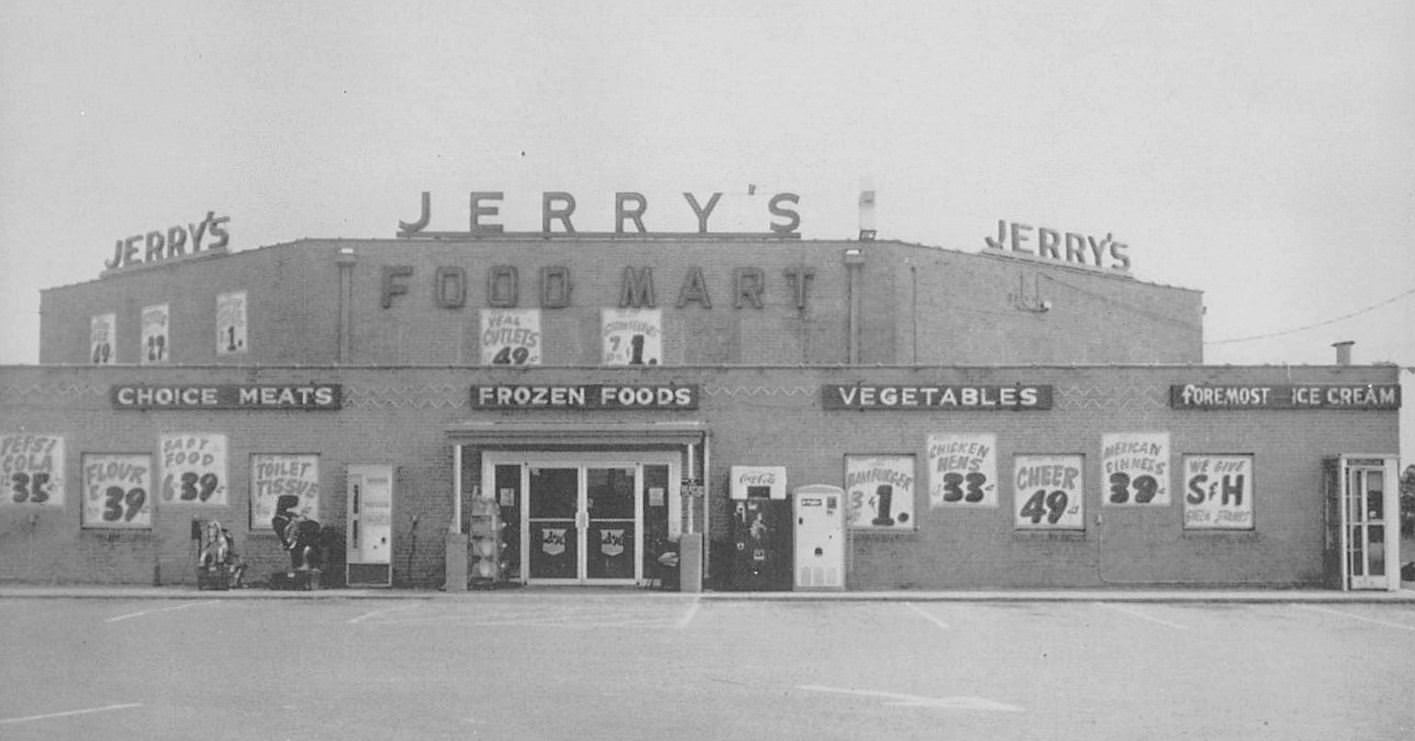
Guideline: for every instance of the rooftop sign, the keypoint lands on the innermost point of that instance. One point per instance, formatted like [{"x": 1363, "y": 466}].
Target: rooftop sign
[
  {"x": 629, "y": 210},
  {"x": 1313, "y": 396}
]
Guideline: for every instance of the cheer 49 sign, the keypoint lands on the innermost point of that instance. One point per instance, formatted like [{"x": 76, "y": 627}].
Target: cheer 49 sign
[{"x": 1048, "y": 492}]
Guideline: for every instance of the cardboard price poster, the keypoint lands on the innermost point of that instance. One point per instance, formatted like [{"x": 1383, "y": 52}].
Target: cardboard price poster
[
  {"x": 231, "y": 323},
  {"x": 1218, "y": 492},
  {"x": 117, "y": 490},
  {"x": 102, "y": 329},
  {"x": 632, "y": 336},
  {"x": 155, "y": 337},
  {"x": 274, "y": 476},
  {"x": 193, "y": 468},
  {"x": 1048, "y": 492},
  {"x": 33, "y": 470},
  {"x": 879, "y": 492},
  {"x": 963, "y": 470},
  {"x": 1136, "y": 468},
  {"x": 510, "y": 337}
]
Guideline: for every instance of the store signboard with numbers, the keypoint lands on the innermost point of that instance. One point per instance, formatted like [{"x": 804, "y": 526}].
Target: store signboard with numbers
[
  {"x": 1135, "y": 468},
  {"x": 155, "y": 336},
  {"x": 33, "y": 469},
  {"x": 962, "y": 470},
  {"x": 117, "y": 491},
  {"x": 879, "y": 492},
  {"x": 231, "y": 323},
  {"x": 510, "y": 337},
  {"x": 274, "y": 476},
  {"x": 102, "y": 331},
  {"x": 194, "y": 468},
  {"x": 632, "y": 336},
  {"x": 1218, "y": 492},
  {"x": 1048, "y": 492}
]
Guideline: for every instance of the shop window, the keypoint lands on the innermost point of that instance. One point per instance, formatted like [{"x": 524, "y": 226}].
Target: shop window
[
  {"x": 1048, "y": 492},
  {"x": 1218, "y": 492}
]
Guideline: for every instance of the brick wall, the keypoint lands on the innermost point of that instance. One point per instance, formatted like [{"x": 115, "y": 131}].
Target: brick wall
[
  {"x": 757, "y": 416},
  {"x": 918, "y": 305}
]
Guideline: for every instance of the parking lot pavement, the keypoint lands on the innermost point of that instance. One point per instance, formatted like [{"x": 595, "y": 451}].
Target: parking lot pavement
[
  {"x": 78, "y": 591},
  {"x": 536, "y": 664}
]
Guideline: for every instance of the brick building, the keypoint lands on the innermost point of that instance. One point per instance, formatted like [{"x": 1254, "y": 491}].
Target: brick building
[{"x": 784, "y": 413}]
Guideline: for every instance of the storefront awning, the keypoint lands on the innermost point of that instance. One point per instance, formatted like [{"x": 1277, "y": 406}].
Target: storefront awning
[{"x": 598, "y": 434}]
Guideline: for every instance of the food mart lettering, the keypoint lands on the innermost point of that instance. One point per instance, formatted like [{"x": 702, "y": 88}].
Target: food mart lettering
[
  {"x": 1310, "y": 396},
  {"x": 637, "y": 287}
]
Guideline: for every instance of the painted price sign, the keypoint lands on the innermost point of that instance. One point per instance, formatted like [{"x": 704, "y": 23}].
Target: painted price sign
[
  {"x": 231, "y": 323},
  {"x": 963, "y": 470},
  {"x": 155, "y": 337},
  {"x": 632, "y": 336},
  {"x": 510, "y": 337},
  {"x": 1048, "y": 492},
  {"x": 275, "y": 476},
  {"x": 1218, "y": 492},
  {"x": 1136, "y": 468},
  {"x": 33, "y": 469},
  {"x": 194, "y": 468},
  {"x": 101, "y": 338},
  {"x": 117, "y": 491},
  {"x": 879, "y": 492}
]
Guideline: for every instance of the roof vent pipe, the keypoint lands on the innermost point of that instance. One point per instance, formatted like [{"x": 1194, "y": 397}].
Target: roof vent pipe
[{"x": 1343, "y": 351}]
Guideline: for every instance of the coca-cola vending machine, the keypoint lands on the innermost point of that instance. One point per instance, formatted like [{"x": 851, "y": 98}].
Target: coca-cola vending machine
[{"x": 761, "y": 529}]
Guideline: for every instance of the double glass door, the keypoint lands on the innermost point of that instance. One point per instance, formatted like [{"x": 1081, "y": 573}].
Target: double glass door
[
  {"x": 582, "y": 523},
  {"x": 582, "y": 519}
]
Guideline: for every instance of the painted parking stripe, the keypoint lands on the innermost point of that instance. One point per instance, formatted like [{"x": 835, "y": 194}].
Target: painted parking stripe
[
  {"x": 159, "y": 609},
  {"x": 900, "y": 699},
  {"x": 67, "y": 713},
  {"x": 379, "y": 613},
  {"x": 1136, "y": 613},
  {"x": 926, "y": 615},
  {"x": 1354, "y": 616},
  {"x": 692, "y": 612}
]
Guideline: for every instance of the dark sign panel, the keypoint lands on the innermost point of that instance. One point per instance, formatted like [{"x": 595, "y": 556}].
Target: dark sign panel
[
  {"x": 1019, "y": 397},
  {"x": 228, "y": 396},
  {"x": 1313, "y": 396},
  {"x": 585, "y": 396}
]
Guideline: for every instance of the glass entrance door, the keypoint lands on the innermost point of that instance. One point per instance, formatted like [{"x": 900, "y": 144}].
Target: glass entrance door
[
  {"x": 610, "y": 494},
  {"x": 584, "y": 517},
  {"x": 1366, "y": 527},
  {"x": 553, "y": 523}
]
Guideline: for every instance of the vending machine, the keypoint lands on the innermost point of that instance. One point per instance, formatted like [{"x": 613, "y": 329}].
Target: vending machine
[
  {"x": 370, "y": 504},
  {"x": 761, "y": 544},
  {"x": 820, "y": 537}
]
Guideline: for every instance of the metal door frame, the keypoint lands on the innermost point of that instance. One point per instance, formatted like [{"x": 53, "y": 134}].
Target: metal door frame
[{"x": 580, "y": 461}]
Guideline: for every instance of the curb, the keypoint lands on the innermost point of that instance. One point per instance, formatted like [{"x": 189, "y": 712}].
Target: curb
[{"x": 1404, "y": 596}]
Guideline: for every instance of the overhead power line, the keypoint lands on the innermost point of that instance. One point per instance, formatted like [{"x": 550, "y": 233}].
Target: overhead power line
[{"x": 1324, "y": 323}]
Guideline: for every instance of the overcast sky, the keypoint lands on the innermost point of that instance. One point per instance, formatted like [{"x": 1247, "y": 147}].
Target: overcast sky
[{"x": 1261, "y": 152}]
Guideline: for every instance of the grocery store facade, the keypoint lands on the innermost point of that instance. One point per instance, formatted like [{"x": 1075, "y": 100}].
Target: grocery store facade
[{"x": 494, "y": 409}]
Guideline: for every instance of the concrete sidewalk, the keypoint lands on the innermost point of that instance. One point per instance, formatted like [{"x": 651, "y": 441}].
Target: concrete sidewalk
[{"x": 188, "y": 592}]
